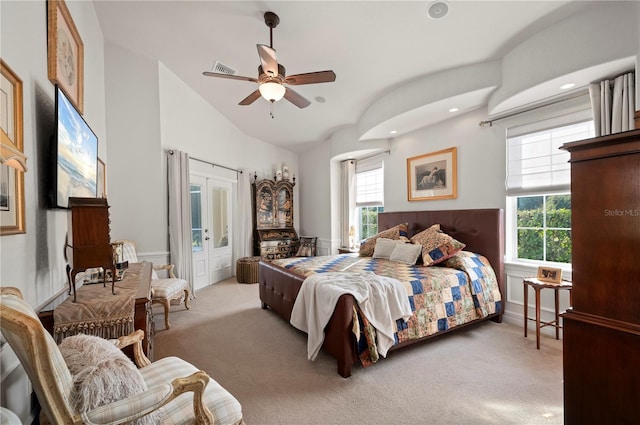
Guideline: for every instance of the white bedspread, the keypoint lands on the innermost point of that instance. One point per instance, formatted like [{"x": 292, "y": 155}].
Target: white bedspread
[{"x": 383, "y": 300}]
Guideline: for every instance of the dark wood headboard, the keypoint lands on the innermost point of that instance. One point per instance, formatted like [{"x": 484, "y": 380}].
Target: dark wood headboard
[{"x": 481, "y": 230}]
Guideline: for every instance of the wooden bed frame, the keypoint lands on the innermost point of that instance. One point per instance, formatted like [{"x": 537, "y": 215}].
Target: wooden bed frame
[{"x": 481, "y": 230}]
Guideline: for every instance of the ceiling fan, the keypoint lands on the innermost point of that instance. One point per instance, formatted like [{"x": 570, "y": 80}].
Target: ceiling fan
[{"x": 272, "y": 75}]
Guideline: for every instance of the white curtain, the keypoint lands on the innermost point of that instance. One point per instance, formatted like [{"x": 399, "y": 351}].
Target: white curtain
[
  {"x": 180, "y": 214},
  {"x": 613, "y": 109},
  {"x": 244, "y": 227},
  {"x": 348, "y": 187}
]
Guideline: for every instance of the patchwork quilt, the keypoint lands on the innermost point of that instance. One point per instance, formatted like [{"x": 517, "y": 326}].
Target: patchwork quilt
[{"x": 459, "y": 290}]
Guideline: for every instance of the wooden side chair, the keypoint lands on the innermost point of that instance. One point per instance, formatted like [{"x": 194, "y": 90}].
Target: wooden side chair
[
  {"x": 177, "y": 392},
  {"x": 307, "y": 246},
  {"x": 163, "y": 290}
]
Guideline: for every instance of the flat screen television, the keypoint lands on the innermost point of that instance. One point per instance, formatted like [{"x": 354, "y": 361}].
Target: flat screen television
[{"x": 74, "y": 154}]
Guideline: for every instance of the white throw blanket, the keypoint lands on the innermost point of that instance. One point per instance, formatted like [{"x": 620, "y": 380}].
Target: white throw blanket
[{"x": 383, "y": 300}]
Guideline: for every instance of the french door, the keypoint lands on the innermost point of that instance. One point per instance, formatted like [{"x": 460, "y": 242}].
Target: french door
[{"x": 211, "y": 232}]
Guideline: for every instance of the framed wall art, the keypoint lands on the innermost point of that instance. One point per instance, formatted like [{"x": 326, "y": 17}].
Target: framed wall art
[
  {"x": 11, "y": 201},
  {"x": 432, "y": 176},
  {"x": 12, "y": 159},
  {"x": 549, "y": 274},
  {"x": 65, "y": 52},
  {"x": 11, "y": 134}
]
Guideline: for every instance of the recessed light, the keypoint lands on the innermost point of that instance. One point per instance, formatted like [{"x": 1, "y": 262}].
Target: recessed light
[
  {"x": 393, "y": 132},
  {"x": 320, "y": 99},
  {"x": 567, "y": 86},
  {"x": 453, "y": 110}
]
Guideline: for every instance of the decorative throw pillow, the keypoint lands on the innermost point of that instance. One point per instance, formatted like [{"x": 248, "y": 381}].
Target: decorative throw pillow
[
  {"x": 398, "y": 232},
  {"x": 102, "y": 374},
  {"x": 384, "y": 247},
  {"x": 437, "y": 246},
  {"x": 406, "y": 253}
]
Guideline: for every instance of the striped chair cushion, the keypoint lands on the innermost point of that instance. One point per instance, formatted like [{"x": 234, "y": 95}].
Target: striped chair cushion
[
  {"x": 167, "y": 288},
  {"x": 225, "y": 408},
  {"x": 129, "y": 254}
]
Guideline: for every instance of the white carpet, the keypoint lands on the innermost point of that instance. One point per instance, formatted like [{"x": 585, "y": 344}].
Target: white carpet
[{"x": 488, "y": 374}]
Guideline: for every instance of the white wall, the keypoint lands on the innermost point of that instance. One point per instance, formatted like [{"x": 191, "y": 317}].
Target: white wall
[
  {"x": 135, "y": 183},
  {"x": 34, "y": 261},
  {"x": 481, "y": 158}
]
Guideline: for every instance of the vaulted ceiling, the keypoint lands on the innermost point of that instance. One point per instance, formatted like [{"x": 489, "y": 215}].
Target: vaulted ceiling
[{"x": 376, "y": 49}]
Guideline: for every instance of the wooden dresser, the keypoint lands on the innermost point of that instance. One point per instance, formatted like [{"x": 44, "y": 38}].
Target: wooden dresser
[
  {"x": 602, "y": 330},
  {"x": 89, "y": 240},
  {"x": 274, "y": 235}
]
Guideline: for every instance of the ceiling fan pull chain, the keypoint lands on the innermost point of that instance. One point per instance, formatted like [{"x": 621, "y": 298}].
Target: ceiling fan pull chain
[{"x": 271, "y": 109}]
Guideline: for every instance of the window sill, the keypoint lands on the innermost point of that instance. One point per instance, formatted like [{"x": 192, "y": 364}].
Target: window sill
[{"x": 531, "y": 269}]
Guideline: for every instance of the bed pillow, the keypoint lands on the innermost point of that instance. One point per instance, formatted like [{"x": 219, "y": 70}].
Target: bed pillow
[
  {"x": 384, "y": 247},
  {"x": 437, "y": 246},
  {"x": 406, "y": 253},
  {"x": 102, "y": 374},
  {"x": 398, "y": 232}
]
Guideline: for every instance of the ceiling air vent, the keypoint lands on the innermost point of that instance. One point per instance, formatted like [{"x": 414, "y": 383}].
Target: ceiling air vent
[{"x": 223, "y": 69}]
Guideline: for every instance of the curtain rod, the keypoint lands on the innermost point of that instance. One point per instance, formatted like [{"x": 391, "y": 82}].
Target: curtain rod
[
  {"x": 373, "y": 155},
  {"x": 533, "y": 108},
  {"x": 213, "y": 164}
]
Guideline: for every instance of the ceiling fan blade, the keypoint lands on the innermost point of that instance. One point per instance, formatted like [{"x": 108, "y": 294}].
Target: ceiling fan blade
[
  {"x": 311, "y": 78},
  {"x": 250, "y": 99},
  {"x": 268, "y": 60},
  {"x": 296, "y": 98},
  {"x": 231, "y": 77}
]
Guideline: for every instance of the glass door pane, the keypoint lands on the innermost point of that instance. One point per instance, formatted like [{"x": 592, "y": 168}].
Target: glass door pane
[
  {"x": 220, "y": 218},
  {"x": 197, "y": 232}
]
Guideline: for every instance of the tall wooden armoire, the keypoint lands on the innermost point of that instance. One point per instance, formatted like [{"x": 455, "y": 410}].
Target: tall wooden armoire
[
  {"x": 89, "y": 241},
  {"x": 274, "y": 235},
  {"x": 602, "y": 329}
]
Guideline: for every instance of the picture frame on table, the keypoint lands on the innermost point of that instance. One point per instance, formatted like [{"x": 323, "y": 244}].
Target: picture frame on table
[
  {"x": 65, "y": 53},
  {"x": 13, "y": 160},
  {"x": 432, "y": 176},
  {"x": 549, "y": 274}
]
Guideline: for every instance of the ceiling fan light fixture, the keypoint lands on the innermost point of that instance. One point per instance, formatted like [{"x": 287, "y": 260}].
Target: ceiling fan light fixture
[{"x": 271, "y": 91}]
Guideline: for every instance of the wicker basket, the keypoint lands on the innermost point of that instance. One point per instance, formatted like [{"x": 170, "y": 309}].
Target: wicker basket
[{"x": 247, "y": 269}]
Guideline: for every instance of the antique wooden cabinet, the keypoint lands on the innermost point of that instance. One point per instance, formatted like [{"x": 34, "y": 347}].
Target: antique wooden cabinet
[
  {"x": 89, "y": 243},
  {"x": 274, "y": 234},
  {"x": 602, "y": 330}
]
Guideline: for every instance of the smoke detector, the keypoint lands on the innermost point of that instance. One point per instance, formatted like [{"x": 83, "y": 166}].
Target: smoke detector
[{"x": 438, "y": 9}]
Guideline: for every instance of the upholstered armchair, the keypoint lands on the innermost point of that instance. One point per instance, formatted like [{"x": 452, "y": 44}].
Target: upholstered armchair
[
  {"x": 163, "y": 290},
  {"x": 176, "y": 392}
]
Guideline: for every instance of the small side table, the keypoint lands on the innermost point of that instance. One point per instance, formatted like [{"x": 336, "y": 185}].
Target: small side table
[{"x": 538, "y": 285}]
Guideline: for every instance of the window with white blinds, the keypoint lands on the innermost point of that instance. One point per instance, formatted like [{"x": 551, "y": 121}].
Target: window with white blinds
[
  {"x": 535, "y": 162},
  {"x": 369, "y": 185}
]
